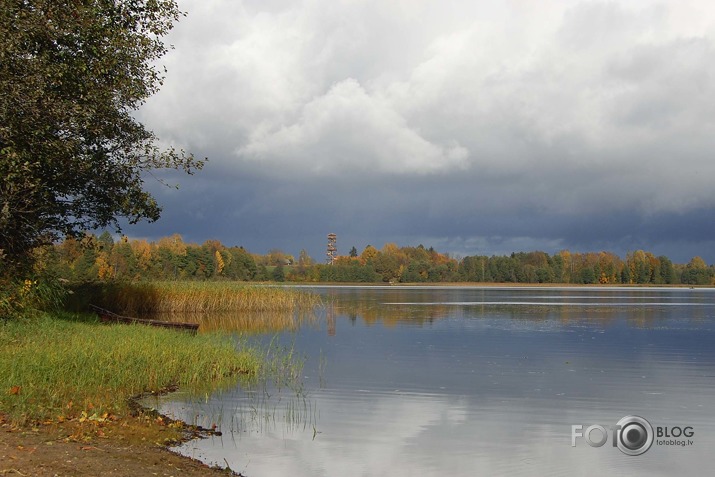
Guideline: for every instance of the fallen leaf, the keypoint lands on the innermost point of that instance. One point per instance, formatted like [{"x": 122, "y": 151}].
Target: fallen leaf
[{"x": 15, "y": 390}]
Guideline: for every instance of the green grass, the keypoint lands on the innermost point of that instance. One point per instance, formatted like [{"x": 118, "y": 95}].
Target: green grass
[{"x": 54, "y": 368}]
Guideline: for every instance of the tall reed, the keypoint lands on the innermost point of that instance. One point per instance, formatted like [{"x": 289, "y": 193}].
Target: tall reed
[{"x": 200, "y": 297}]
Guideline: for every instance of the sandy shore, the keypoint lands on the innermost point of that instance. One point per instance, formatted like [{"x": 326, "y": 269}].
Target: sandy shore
[{"x": 135, "y": 446}]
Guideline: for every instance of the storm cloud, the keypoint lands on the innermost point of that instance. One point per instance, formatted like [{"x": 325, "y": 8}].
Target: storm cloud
[{"x": 474, "y": 127}]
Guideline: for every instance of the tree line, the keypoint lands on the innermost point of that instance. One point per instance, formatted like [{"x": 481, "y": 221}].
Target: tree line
[{"x": 101, "y": 258}]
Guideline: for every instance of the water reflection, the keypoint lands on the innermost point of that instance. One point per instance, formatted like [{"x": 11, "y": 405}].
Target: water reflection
[
  {"x": 476, "y": 382},
  {"x": 408, "y": 434},
  {"x": 255, "y": 322},
  {"x": 254, "y": 410},
  {"x": 392, "y": 306}
]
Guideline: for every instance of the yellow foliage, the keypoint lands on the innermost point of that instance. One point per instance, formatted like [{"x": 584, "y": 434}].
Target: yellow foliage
[
  {"x": 369, "y": 253},
  {"x": 104, "y": 269},
  {"x": 175, "y": 244},
  {"x": 219, "y": 263},
  {"x": 143, "y": 252}
]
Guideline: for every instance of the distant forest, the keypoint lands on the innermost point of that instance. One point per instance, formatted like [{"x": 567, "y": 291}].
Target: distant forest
[{"x": 101, "y": 258}]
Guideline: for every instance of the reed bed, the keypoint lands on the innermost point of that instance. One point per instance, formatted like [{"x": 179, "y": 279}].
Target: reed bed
[
  {"x": 59, "y": 369},
  {"x": 202, "y": 297}
]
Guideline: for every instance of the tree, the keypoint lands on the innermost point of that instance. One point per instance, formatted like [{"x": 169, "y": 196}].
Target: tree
[
  {"x": 667, "y": 272},
  {"x": 72, "y": 155},
  {"x": 386, "y": 264},
  {"x": 242, "y": 266},
  {"x": 279, "y": 273},
  {"x": 276, "y": 257},
  {"x": 124, "y": 260},
  {"x": 369, "y": 253},
  {"x": 106, "y": 242},
  {"x": 220, "y": 263},
  {"x": 304, "y": 262},
  {"x": 696, "y": 272},
  {"x": 172, "y": 253}
]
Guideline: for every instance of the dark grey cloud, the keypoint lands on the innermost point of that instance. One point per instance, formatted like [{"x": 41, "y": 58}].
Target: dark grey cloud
[{"x": 475, "y": 127}]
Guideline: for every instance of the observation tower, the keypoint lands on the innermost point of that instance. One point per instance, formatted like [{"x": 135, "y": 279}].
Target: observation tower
[{"x": 332, "y": 252}]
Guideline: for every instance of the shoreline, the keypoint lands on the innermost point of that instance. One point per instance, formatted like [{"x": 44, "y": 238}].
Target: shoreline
[
  {"x": 127, "y": 447},
  {"x": 505, "y": 285},
  {"x": 123, "y": 447}
]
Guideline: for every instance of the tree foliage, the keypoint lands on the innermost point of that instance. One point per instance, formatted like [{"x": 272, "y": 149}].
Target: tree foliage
[
  {"x": 72, "y": 156},
  {"x": 92, "y": 258}
]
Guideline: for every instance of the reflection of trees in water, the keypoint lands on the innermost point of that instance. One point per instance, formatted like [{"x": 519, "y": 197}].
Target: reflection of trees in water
[
  {"x": 245, "y": 322},
  {"x": 638, "y": 316}
]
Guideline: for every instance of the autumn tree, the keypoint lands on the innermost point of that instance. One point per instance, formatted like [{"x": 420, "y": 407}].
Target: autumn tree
[
  {"x": 145, "y": 254},
  {"x": 73, "y": 156},
  {"x": 696, "y": 272},
  {"x": 368, "y": 254},
  {"x": 566, "y": 265},
  {"x": 641, "y": 267},
  {"x": 172, "y": 253},
  {"x": 609, "y": 268},
  {"x": 220, "y": 263},
  {"x": 387, "y": 263}
]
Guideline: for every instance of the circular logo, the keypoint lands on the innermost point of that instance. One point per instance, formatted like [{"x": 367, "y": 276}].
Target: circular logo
[{"x": 634, "y": 435}]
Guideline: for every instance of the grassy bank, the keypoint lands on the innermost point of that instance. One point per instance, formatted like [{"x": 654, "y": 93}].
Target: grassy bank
[
  {"x": 193, "y": 297},
  {"x": 67, "y": 366}
]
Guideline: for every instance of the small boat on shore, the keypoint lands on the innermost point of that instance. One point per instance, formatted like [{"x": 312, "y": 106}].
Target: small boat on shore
[{"x": 107, "y": 316}]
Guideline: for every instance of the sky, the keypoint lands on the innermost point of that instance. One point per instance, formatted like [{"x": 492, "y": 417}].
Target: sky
[{"x": 474, "y": 127}]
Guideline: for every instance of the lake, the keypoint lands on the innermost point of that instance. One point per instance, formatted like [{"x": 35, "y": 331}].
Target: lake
[{"x": 464, "y": 381}]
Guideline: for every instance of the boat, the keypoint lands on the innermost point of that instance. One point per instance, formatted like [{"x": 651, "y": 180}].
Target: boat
[{"x": 107, "y": 316}]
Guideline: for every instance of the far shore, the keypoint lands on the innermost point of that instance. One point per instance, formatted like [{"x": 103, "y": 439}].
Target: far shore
[{"x": 493, "y": 285}]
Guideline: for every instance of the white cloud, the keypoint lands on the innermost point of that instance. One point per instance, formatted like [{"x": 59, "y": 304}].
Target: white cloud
[{"x": 346, "y": 131}]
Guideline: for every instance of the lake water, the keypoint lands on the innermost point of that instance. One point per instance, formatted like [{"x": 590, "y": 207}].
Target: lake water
[{"x": 462, "y": 381}]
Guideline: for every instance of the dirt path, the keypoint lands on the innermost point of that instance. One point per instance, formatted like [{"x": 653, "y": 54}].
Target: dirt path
[{"x": 130, "y": 447}]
